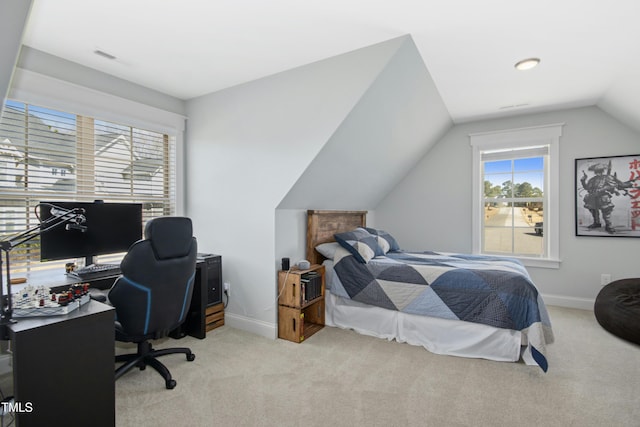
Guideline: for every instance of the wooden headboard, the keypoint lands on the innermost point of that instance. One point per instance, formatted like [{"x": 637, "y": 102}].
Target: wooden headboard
[{"x": 322, "y": 225}]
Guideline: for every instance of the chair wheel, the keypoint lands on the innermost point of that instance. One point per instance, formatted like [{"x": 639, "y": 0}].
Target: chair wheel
[
  {"x": 171, "y": 384},
  {"x": 191, "y": 357}
]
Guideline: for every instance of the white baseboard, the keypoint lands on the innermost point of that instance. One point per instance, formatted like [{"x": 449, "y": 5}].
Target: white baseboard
[
  {"x": 569, "y": 302},
  {"x": 258, "y": 327}
]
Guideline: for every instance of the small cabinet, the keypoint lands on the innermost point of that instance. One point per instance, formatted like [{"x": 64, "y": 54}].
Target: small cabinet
[{"x": 300, "y": 303}]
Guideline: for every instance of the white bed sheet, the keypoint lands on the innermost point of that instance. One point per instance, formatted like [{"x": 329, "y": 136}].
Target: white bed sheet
[{"x": 440, "y": 336}]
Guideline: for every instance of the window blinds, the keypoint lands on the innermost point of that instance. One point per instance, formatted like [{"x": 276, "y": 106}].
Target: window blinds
[{"x": 53, "y": 155}]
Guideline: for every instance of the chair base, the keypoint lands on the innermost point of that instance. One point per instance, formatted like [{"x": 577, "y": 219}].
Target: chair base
[{"x": 147, "y": 356}]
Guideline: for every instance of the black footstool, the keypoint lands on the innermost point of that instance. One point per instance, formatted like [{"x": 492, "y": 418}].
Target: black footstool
[{"x": 617, "y": 309}]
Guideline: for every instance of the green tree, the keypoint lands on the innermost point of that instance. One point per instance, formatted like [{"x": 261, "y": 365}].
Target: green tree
[
  {"x": 523, "y": 190},
  {"x": 490, "y": 191},
  {"x": 507, "y": 188}
]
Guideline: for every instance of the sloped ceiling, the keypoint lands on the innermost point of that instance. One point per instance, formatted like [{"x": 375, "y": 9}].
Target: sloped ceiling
[
  {"x": 189, "y": 48},
  {"x": 394, "y": 123}
]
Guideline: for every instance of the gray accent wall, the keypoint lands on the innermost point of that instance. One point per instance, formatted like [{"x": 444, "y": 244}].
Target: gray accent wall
[{"x": 431, "y": 207}]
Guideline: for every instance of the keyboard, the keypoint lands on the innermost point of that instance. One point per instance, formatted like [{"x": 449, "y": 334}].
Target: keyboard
[{"x": 96, "y": 271}]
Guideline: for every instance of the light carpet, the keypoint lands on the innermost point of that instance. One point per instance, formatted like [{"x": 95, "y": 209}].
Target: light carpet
[{"x": 340, "y": 378}]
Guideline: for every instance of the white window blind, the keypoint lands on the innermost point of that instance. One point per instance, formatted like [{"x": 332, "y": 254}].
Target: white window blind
[{"x": 57, "y": 156}]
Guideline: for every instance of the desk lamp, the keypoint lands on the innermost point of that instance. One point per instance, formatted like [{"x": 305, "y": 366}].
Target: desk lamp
[{"x": 74, "y": 218}]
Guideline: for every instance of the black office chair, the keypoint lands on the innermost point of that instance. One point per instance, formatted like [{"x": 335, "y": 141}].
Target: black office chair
[{"x": 153, "y": 295}]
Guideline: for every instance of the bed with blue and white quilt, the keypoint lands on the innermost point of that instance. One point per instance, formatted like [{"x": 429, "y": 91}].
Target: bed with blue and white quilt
[{"x": 456, "y": 304}]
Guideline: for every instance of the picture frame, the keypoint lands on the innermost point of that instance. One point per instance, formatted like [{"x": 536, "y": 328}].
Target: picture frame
[{"x": 607, "y": 196}]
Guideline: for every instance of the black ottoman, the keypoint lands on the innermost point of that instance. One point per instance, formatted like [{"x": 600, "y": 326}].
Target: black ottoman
[{"x": 617, "y": 309}]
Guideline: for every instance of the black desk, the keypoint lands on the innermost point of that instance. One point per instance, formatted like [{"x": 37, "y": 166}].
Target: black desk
[
  {"x": 58, "y": 280},
  {"x": 195, "y": 323},
  {"x": 64, "y": 367}
]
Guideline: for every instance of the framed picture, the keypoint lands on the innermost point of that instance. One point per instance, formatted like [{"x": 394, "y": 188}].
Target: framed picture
[{"x": 608, "y": 196}]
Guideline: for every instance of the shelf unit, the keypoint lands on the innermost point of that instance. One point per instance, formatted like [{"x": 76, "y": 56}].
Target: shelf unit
[{"x": 300, "y": 317}]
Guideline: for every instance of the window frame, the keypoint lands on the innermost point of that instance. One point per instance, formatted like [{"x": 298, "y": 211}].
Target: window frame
[
  {"x": 514, "y": 139},
  {"x": 44, "y": 91}
]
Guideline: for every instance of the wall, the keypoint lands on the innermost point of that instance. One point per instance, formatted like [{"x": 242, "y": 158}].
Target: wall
[
  {"x": 393, "y": 124},
  {"x": 13, "y": 17},
  {"x": 246, "y": 148},
  {"x": 431, "y": 207},
  {"x": 391, "y": 127}
]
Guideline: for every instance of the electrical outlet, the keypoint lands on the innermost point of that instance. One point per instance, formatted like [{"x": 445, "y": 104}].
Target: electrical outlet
[
  {"x": 227, "y": 289},
  {"x": 605, "y": 279}
]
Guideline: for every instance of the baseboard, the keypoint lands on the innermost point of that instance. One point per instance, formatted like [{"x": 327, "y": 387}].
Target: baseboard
[
  {"x": 258, "y": 327},
  {"x": 569, "y": 302}
]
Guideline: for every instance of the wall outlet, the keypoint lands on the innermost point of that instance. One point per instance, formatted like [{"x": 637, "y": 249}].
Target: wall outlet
[
  {"x": 605, "y": 279},
  {"x": 227, "y": 289}
]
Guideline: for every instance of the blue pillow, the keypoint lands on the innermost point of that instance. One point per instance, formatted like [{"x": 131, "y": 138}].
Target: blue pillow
[
  {"x": 360, "y": 243},
  {"x": 384, "y": 239}
]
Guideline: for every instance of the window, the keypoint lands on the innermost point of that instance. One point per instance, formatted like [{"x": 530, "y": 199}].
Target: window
[
  {"x": 515, "y": 196},
  {"x": 52, "y": 155}
]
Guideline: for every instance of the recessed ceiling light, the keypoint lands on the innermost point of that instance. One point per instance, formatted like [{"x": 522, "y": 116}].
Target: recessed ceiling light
[{"x": 527, "y": 64}]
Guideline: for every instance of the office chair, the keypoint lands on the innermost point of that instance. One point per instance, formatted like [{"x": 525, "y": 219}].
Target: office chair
[{"x": 153, "y": 295}]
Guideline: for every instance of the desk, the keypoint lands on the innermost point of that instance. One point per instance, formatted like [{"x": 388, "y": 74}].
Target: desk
[
  {"x": 58, "y": 280},
  {"x": 195, "y": 322},
  {"x": 64, "y": 366}
]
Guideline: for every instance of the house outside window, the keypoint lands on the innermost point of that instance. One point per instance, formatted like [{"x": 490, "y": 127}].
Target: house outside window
[
  {"x": 515, "y": 194},
  {"x": 54, "y": 155}
]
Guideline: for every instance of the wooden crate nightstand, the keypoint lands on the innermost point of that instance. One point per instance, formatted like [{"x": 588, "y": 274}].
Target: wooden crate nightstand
[{"x": 300, "y": 303}]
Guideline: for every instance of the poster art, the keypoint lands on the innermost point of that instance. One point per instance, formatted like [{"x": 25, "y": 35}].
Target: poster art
[{"x": 608, "y": 196}]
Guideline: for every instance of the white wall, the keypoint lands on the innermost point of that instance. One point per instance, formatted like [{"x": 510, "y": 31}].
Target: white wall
[
  {"x": 246, "y": 148},
  {"x": 394, "y": 123},
  {"x": 392, "y": 126},
  {"x": 13, "y": 18},
  {"x": 431, "y": 207}
]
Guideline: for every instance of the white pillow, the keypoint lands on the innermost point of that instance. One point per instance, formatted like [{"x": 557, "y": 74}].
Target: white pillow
[{"x": 328, "y": 250}]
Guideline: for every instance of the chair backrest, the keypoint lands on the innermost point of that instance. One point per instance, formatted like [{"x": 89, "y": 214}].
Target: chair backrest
[{"x": 153, "y": 295}]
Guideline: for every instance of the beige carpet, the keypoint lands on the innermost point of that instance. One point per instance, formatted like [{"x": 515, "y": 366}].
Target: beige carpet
[{"x": 340, "y": 378}]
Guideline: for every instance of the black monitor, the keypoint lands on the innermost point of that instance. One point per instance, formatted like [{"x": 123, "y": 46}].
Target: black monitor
[{"x": 106, "y": 228}]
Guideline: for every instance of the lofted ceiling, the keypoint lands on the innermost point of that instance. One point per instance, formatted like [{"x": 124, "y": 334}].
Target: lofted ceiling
[{"x": 589, "y": 50}]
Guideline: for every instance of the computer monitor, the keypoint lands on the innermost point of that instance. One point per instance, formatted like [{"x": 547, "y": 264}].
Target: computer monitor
[{"x": 108, "y": 228}]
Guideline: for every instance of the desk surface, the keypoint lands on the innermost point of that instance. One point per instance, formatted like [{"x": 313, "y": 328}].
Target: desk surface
[
  {"x": 88, "y": 309},
  {"x": 53, "y": 279}
]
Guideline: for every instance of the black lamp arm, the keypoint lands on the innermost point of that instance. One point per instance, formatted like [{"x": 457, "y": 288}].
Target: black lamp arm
[{"x": 59, "y": 216}]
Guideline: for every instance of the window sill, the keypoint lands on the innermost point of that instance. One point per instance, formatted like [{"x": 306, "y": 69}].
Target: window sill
[
  {"x": 540, "y": 262},
  {"x": 552, "y": 263}
]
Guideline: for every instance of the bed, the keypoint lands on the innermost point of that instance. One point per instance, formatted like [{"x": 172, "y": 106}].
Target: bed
[{"x": 451, "y": 304}]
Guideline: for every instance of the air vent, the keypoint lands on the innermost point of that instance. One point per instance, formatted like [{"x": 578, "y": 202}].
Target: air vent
[{"x": 104, "y": 54}]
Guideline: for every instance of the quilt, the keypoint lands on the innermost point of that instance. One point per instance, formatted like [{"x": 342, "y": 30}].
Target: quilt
[{"x": 495, "y": 291}]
